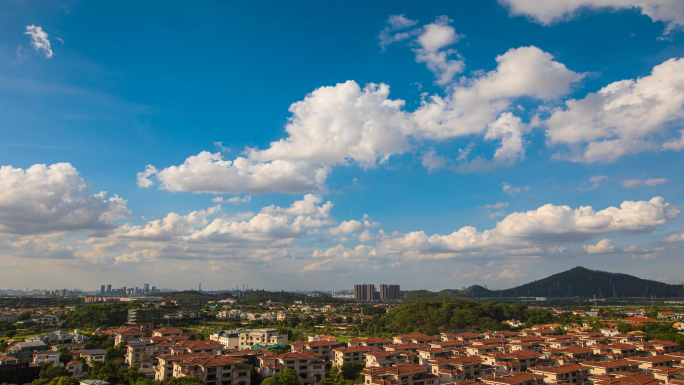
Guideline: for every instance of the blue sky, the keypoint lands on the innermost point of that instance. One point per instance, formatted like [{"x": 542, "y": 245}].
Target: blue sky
[{"x": 417, "y": 122}]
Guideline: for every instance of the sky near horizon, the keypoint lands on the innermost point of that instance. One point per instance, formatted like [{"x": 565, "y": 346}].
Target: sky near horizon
[{"x": 314, "y": 145}]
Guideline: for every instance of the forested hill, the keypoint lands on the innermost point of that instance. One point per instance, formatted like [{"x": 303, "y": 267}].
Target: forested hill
[{"x": 576, "y": 282}]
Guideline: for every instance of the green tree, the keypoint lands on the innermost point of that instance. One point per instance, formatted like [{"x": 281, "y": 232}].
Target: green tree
[
  {"x": 63, "y": 381},
  {"x": 288, "y": 377},
  {"x": 269, "y": 381},
  {"x": 65, "y": 356},
  {"x": 255, "y": 377},
  {"x": 187, "y": 380},
  {"x": 129, "y": 376},
  {"x": 10, "y": 333},
  {"x": 352, "y": 370},
  {"x": 106, "y": 371},
  {"x": 40, "y": 381},
  {"x": 145, "y": 381},
  {"x": 116, "y": 352},
  {"x": 24, "y": 316},
  {"x": 49, "y": 372}
]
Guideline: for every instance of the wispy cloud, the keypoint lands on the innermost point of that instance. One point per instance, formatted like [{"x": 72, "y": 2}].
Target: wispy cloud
[{"x": 39, "y": 40}]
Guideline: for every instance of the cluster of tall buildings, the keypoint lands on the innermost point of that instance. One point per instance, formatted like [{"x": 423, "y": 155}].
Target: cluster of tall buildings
[
  {"x": 367, "y": 293},
  {"x": 107, "y": 290}
]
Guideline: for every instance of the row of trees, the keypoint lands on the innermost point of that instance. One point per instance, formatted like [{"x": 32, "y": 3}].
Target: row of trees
[{"x": 433, "y": 317}]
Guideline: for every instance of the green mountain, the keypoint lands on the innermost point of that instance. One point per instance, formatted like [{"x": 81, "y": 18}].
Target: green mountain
[{"x": 576, "y": 282}]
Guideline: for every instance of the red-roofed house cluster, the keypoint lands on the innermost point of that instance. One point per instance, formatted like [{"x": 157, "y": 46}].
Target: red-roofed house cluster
[{"x": 533, "y": 356}]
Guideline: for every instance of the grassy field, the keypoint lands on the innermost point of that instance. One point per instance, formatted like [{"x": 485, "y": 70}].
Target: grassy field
[{"x": 343, "y": 338}]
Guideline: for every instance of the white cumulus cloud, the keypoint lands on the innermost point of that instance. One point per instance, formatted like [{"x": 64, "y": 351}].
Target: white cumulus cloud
[
  {"x": 674, "y": 238},
  {"x": 43, "y": 199},
  {"x": 472, "y": 105},
  {"x": 604, "y": 246},
  {"x": 39, "y": 40},
  {"x": 352, "y": 226},
  {"x": 670, "y": 12},
  {"x": 622, "y": 118},
  {"x": 432, "y": 39},
  {"x": 209, "y": 173},
  {"x": 547, "y": 224},
  {"x": 173, "y": 225}
]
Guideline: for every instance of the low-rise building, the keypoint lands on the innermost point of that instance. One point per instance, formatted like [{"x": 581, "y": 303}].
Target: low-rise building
[
  {"x": 229, "y": 339},
  {"x": 167, "y": 332},
  {"x": 164, "y": 368},
  {"x": 466, "y": 337},
  {"x": 8, "y": 360},
  {"x": 563, "y": 374},
  {"x": 208, "y": 347},
  {"x": 128, "y": 335},
  {"x": 93, "y": 355},
  {"x": 427, "y": 354},
  {"x": 470, "y": 367},
  {"x": 75, "y": 369},
  {"x": 411, "y": 347},
  {"x": 353, "y": 354},
  {"x": 399, "y": 374},
  {"x": 59, "y": 337},
  {"x": 414, "y": 338},
  {"x": 310, "y": 367},
  {"x": 262, "y": 337},
  {"x": 24, "y": 350},
  {"x": 610, "y": 367},
  {"x": 373, "y": 342},
  {"x": 143, "y": 355},
  {"x": 48, "y": 320},
  {"x": 514, "y": 379},
  {"x": 616, "y": 350},
  {"x": 145, "y": 327},
  {"x": 322, "y": 348},
  {"x": 574, "y": 354},
  {"x": 513, "y": 362},
  {"x": 214, "y": 371},
  {"x": 46, "y": 357},
  {"x": 386, "y": 358},
  {"x": 648, "y": 363}
]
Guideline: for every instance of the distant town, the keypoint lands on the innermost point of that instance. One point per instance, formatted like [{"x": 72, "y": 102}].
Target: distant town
[{"x": 244, "y": 336}]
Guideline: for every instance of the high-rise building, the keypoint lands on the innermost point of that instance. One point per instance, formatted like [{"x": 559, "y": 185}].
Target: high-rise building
[
  {"x": 146, "y": 289},
  {"x": 388, "y": 293},
  {"x": 109, "y": 289},
  {"x": 370, "y": 293},
  {"x": 394, "y": 291},
  {"x": 367, "y": 293},
  {"x": 154, "y": 289},
  {"x": 384, "y": 292},
  {"x": 102, "y": 289},
  {"x": 360, "y": 292}
]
